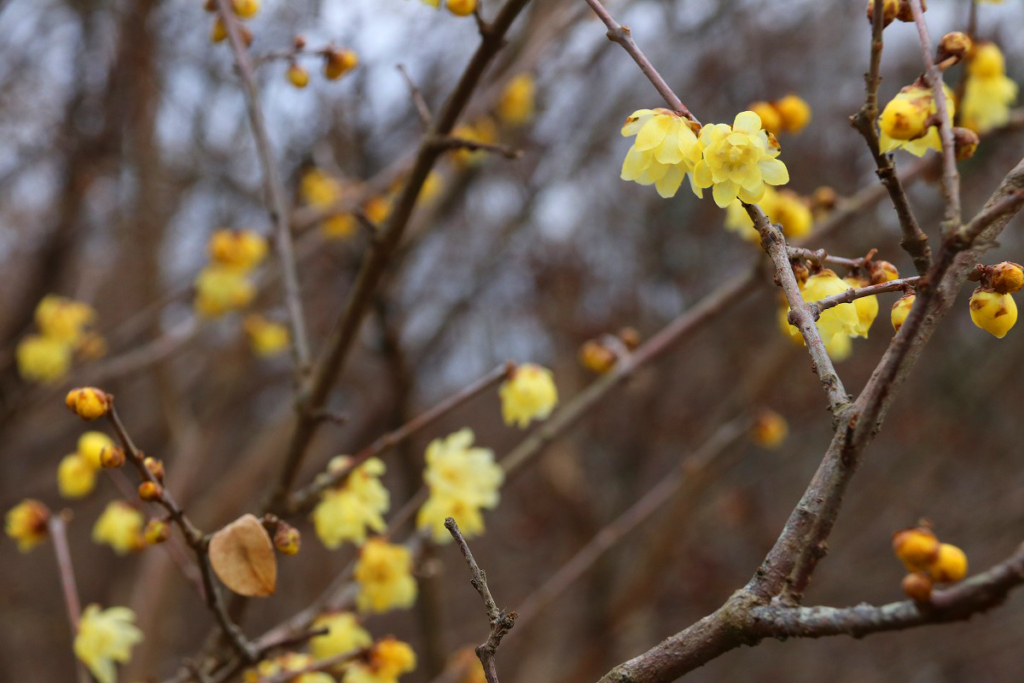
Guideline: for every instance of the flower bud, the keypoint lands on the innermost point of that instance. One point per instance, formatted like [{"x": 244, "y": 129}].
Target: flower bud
[
  {"x": 917, "y": 586},
  {"x": 955, "y": 44},
  {"x": 150, "y": 491},
  {"x": 769, "y": 429},
  {"x": 795, "y": 112},
  {"x": 824, "y": 198},
  {"x": 916, "y": 548},
  {"x": 771, "y": 119},
  {"x": 882, "y": 271},
  {"x": 210, "y": 5},
  {"x": 26, "y": 523},
  {"x": 629, "y": 337},
  {"x": 298, "y": 76},
  {"x": 1006, "y": 277},
  {"x": 596, "y": 357},
  {"x": 890, "y": 9},
  {"x": 905, "y": 118},
  {"x": 245, "y": 8},
  {"x": 950, "y": 566},
  {"x": 965, "y": 143},
  {"x": 905, "y": 14},
  {"x": 157, "y": 531},
  {"x": 111, "y": 457},
  {"x": 461, "y": 8},
  {"x": 993, "y": 312},
  {"x": 155, "y": 467},
  {"x": 801, "y": 272},
  {"x": 287, "y": 539},
  {"x": 900, "y": 311},
  {"x": 337, "y": 63},
  {"x": 88, "y": 403},
  {"x": 219, "y": 31}
]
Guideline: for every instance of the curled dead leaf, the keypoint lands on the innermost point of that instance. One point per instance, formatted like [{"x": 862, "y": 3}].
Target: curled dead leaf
[{"x": 242, "y": 556}]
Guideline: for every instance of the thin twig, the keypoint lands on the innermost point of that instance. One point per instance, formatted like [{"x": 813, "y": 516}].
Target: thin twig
[
  {"x": 822, "y": 257},
  {"x": 449, "y": 142},
  {"x": 58, "y": 535},
  {"x": 852, "y": 294},
  {"x": 417, "y": 96},
  {"x": 277, "y": 203},
  {"x": 501, "y": 622},
  {"x": 950, "y": 175}
]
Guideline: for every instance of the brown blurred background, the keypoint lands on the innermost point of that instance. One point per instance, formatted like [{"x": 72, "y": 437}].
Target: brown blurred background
[{"x": 125, "y": 145}]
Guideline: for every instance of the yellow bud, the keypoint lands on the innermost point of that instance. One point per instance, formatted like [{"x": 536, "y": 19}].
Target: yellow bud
[
  {"x": 993, "y": 312},
  {"x": 769, "y": 429},
  {"x": 905, "y": 14},
  {"x": 43, "y": 359},
  {"x": 157, "y": 531},
  {"x": 26, "y": 523},
  {"x": 900, "y": 311},
  {"x": 904, "y": 118},
  {"x": 91, "y": 445},
  {"x": 824, "y": 198},
  {"x": 461, "y": 8},
  {"x": 771, "y": 119},
  {"x": 88, "y": 403},
  {"x": 246, "y": 8},
  {"x": 916, "y": 548},
  {"x": 955, "y": 44},
  {"x": 1006, "y": 277},
  {"x": 337, "y": 63},
  {"x": 794, "y": 111},
  {"x": 965, "y": 143},
  {"x": 377, "y": 209},
  {"x": 75, "y": 476},
  {"x": 111, "y": 457},
  {"x": 949, "y": 566},
  {"x": 917, "y": 586},
  {"x": 150, "y": 491},
  {"x": 287, "y": 539},
  {"x": 219, "y": 31},
  {"x": 882, "y": 271},
  {"x": 298, "y": 76},
  {"x": 155, "y": 467},
  {"x": 596, "y": 357},
  {"x": 890, "y": 9}
]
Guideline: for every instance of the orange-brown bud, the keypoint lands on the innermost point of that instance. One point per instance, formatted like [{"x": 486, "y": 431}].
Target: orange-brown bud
[
  {"x": 287, "y": 539},
  {"x": 882, "y": 271},
  {"x": 155, "y": 467},
  {"x": 596, "y": 357},
  {"x": 1006, "y": 277},
  {"x": 111, "y": 457},
  {"x": 89, "y": 403},
  {"x": 955, "y": 44},
  {"x": 916, "y": 548},
  {"x": 906, "y": 14},
  {"x": 629, "y": 337},
  {"x": 949, "y": 566},
  {"x": 965, "y": 142},
  {"x": 890, "y": 8},
  {"x": 824, "y": 198},
  {"x": 157, "y": 531},
  {"x": 150, "y": 491},
  {"x": 917, "y": 586}
]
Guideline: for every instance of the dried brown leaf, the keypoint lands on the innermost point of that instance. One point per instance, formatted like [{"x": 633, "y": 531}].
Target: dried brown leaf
[{"x": 242, "y": 556}]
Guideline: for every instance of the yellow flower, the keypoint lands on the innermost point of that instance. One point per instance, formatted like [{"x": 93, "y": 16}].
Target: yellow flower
[
  {"x": 298, "y": 76},
  {"x": 349, "y": 512},
  {"x": 265, "y": 337},
  {"x": 63, "y": 319},
  {"x": 794, "y": 111},
  {"x": 76, "y": 477},
  {"x": 771, "y": 119},
  {"x": 461, "y": 8},
  {"x": 237, "y": 249},
  {"x": 26, "y": 524},
  {"x": 221, "y": 289},
  {"x": 105, "y": 637},
  {"x": 246, "y": 8},
  {"x": 664, "y": 151},
  {"x": 988, "y": 93},
  {"x": 432, "y": 186},
  {"x": 902, "y": 122},
  {"x": 516, "y": 106},
  {"x": 384, "y": 574},
  {"x": 866, "y": 306},
  {"x": 783, "y": 207},
  {"x": 319, "y": 189},
  {"x": 530, "y": 394},
  {"x": 377, "y": 209},
  {"x": 389, "y": 659},
  {"x": 738, "y": 160},
  {"x": 841, "y": 319},
  {"x": 461, "y": 480},
  {"x": 993, "y": 312},
  {"x": 43, "y": 359},
  {"x": 839, "y": 347},
  {"x": 344, "y": 635},
  {"x": 769, "y": 430},
  {"x": 900, "y": 311},
  {"x": 290, "y": 661},
  {"x": 89, "y": 403},
  {"x": 91, "y": 444},
  {"x": 337, "y": 63},
  {"x": 339, "y": 227},
  {"x": 120, "y": 527},
  {"x": 484, "y": 131}
]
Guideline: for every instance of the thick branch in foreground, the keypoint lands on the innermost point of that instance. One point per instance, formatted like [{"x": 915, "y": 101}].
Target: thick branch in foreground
[{"x": 501, "y": 622}]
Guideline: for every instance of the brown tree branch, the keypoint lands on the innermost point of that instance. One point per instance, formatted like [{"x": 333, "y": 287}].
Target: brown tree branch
[
  {"x": 450, "y": 142},
  {"x": 501, "y": 621},
  {"x": 277, "y": 203},
  {"x": 417, "y": 97},
  {"x": 59, "y": 537},
  {"x": 852, "y": 294}
]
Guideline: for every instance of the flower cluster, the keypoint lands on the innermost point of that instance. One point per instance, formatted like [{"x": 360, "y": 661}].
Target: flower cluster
[
  {"x": 348, "y": 512},
  {"x": 336, "y": 63},
  {"x": 120, "y": 526},
  {"x": 928, "y": 561},
  {"x": 790, "y": 114},
  {"x": 105, "y": 637},
  {"x": 836, "y": 325},
  {"x": 529, "y": 394},
  {"x": 388, "y": 659},
  {"x": 64, "y": 330},
  {"x": 76, "y": 474},
  {"x": 224, "y": 285},
  {"x": 988, "y": 93},
  {"x": 992, "y": 306},
  {"x": 907, "y": 120},
  {"x": 783, "y": 207},
  {"x": 384, "y": 574},
  {"x": 462, "y": 480}
]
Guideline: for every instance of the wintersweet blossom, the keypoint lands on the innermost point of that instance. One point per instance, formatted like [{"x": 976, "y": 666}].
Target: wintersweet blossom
[
  {"x": 988, "y": 93},
  {"x": 120, "y": 527},
  {"x": 516, "y": 106},
  {"x": 76, "y": 476},
  {"x": 866, "y": 306},
  {"x": 461, "y": 480},
  {"x": 835, "y": 325},
  {"x": 58, "y": 317},
  {"x": 26, "y": 524},
  {"x": 238, "y": 249},
  {"x": 344, "y": 634},
  {"x": 903, "y": 121},
  {"x": 738, "y": 160},
  {"x": 783, "y": 207},
  {"x": 266, "y": 338},
  {"x": 105, "y": 637},
  {"x": 91, "y": 444},
  {"x": 289, "y": 661},
  {"x": 221, "y": 289},
  {"x": 389, "y": 659},
  {"x": 384, "y": 574},
  {"x": 349, "y": 512},
  {"x": 664, "y": 152},
  {"x": 42, "y": 359},
  {"x": 529, "y": 394}
]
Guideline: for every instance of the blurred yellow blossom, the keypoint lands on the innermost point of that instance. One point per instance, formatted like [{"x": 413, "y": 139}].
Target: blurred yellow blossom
[
  {"x": 389, "y": 659},
  {"x": 238, "y": 249},
  {"x": 461, "y": 8},
  {"x": 344, "y": 635},
  {"x": 265, "y": 337},
  {"x": 120, "y": 527},
  {"x": 988, "y": 93},
  {"x": 783, "y": 207},
  {"x": 483, "y": 131},
  {"x": 337, "y": 63},
  {"x": 220, "y": 289},
  {"x": 771, "y": 119},
  {"x": 91, "y": 444},
  {"x": 349, "y": 512},
  {"x": 26, "y": 524},
  {"x": 794, "y": 111},
  {"x": 42, "y": 359},
  {"x": 76, "y": 476},
  {"x": 290, "y": 661},
  {"x": 664, "y": 152},
  {"x": 739, "y": 160},
  {"x": 516, "y": 106},
  {"x": 529, "y": 394},
  {"x": 63, "y": 319},
  {"x": 338, "y": 227},
  {"x": 377, "y": 209},
  {"x": 246, "y": 8},
  {"x": 384, "y": 574},
  {"x": 769, "y": 429},
  {"x": 105, "y": 637}
]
